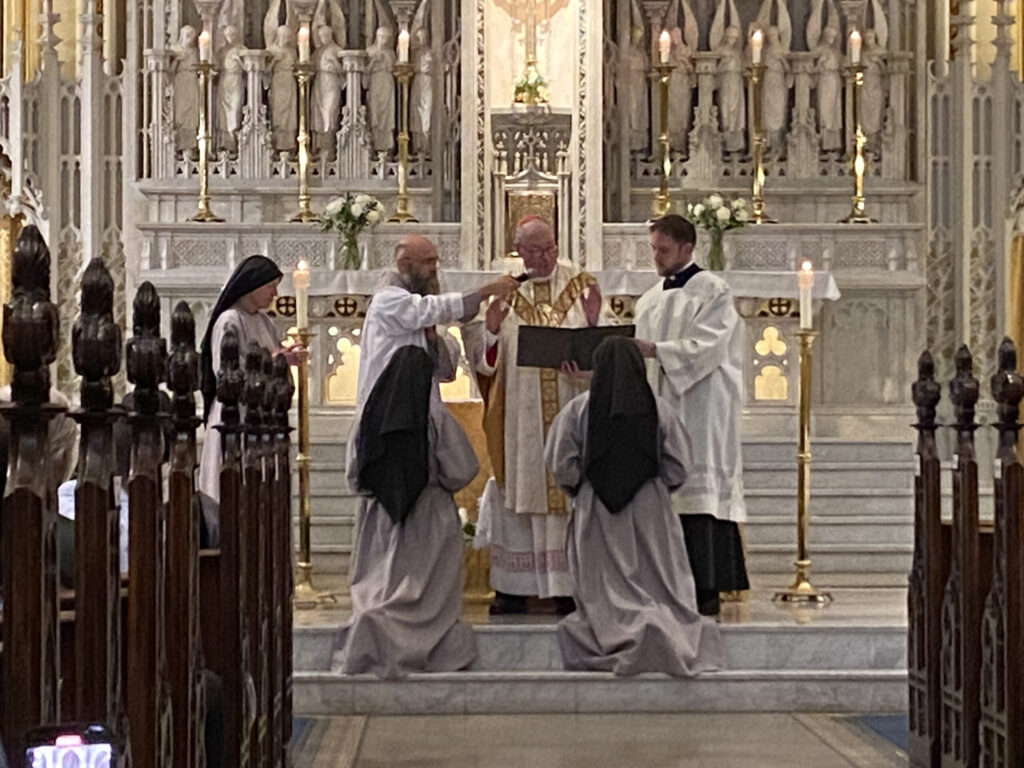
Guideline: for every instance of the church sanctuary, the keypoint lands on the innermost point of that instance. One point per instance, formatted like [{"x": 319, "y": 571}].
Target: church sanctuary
[{"x": 495, "y": 383}]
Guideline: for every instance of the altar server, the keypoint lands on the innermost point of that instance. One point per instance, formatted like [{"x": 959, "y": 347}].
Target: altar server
[
  {"x": 620, "y": 451},
  {"x": 692, "y": 336},
  {"x": 407, "y": 457},
  {"x": 240, "y": 307}
]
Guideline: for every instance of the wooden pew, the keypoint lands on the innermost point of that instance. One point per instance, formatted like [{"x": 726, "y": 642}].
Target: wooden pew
[
  {"x": 1002, "y": 630},
  {"x": 928, "y": 575},
  {"x": 31, "y": 656}
]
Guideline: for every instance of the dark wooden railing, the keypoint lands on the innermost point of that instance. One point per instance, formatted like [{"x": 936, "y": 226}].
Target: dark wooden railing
[
  {"x": 139, "y": 656},
  {"x": 965, "y": 591}
]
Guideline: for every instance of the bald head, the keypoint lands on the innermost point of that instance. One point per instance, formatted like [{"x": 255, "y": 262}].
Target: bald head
[
  {"x": 535, "y": 244},
  {"x": 416, "y": 261}
]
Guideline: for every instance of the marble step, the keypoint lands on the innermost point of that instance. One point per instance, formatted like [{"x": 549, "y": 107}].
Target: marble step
[
  {"x": 833, "y": 558},
  {"x": 830, "y": 475},
  {"x": 832, "y": 580},
  {"x": 330, "y": 529},
  {"x": 843, "y": 502},
  {"x": 755, "y": 646},
  {"x": 831, "y": 529},
  {"x": 834, "y": 690}
]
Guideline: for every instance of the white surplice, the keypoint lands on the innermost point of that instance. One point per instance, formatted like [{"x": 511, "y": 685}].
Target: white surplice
[
  {"x": 528, "y": 517},
  {"x": 699, "y": 369},
  {"x": 398, "y": 318},
  {"x": 248, "y": 326}
]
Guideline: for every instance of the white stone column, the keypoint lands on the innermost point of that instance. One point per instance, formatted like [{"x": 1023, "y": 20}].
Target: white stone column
[
  {"x": 353, "y": 161},
  {"x": 48, "y": 90},
  {"x": 16, "y": 120},
  {"x": 254, "y": 148},
  {"x": 1002, "y": 149},
  {"x": 962, "y": 134},
  {"x": 94, "y": 127},
  {"x": 158, "y": 135},
  {"x": 475, "y": 125},
  {"x": 587, "y": 158}
]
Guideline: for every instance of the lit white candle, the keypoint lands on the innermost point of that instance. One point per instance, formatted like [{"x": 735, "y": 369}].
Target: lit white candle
[
  {"x": 303, "y": 38},
  {"x": 664, "y": 46},
  {"x": 300, "y": 282},
  {"x": 204, "y": 47},
  {"x": 756, "y": 44},
  {"x": 855, "y": 41},
  {"x": 805, "y": 281},
  {"x": 403, "y": 47}
]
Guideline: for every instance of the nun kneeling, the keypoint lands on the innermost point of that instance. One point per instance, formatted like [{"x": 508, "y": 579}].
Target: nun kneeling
[
  {"x": 407, "y": 457},
  {"x": 620, "y": 452}
]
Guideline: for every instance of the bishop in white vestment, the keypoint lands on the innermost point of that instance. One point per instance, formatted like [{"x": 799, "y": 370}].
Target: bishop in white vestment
[
  {"x": 523, "y": 507},
  {"x": 689, "y": 330}
]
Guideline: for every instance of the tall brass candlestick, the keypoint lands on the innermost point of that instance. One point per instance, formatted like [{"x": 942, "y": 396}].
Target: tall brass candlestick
[
  {"x": 661, "y": 202},
  {"x": 302, "y": 74},
  {"x": 403, "y": 72},
  {"x": 204, "y": 71},
  {"x": 757, "y": 177},
  {"x": 802, "y": 591},
  {"x": 306, "y": 595},
  {"x": 858, "y": 163}
]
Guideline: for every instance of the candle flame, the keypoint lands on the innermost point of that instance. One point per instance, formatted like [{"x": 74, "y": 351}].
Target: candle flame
[
  {"x": 663, "y": 38},
  {"x": 303, "y": 266},
  {"x": 757, "y": 37},
  {"x": 806, "y": 266}
]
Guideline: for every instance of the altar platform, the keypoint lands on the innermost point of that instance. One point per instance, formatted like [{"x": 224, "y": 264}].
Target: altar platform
[{"x": 847, "y": 657}]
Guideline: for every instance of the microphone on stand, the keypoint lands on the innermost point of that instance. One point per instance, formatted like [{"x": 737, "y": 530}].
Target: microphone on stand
[{"x": 527, "y": 275}]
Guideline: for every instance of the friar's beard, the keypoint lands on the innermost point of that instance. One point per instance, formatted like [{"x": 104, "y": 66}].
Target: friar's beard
[{"x": 424, "y": 286}]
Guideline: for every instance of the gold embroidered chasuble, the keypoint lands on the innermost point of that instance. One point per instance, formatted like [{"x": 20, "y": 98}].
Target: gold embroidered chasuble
[{"x": 516, "y": 429}]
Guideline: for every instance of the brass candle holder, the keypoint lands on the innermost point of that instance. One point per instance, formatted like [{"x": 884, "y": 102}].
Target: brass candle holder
[
  {"x": 403, "y": 73},
  {"x": 204, "y": 71},
  {"x": 306, "y": 596},
  {"x": 802, "y": 591},
  {"x": 857, "y": 161},
  {"x": 758, "y": 143},
  {"x": 303, "y": 71},
  {"x": 661, "y": 203}
]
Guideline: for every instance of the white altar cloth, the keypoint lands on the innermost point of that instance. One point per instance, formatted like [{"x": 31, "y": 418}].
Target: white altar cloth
[{"x": 613, "y": 282}]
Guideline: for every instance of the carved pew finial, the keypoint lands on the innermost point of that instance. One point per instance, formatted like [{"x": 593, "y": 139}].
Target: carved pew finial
[
  {"x": 964, "y": 391},
  {"x": 31, "y": 322},
  {"x": 285, "y": 390},
  {"x": 926, "y": 392},
  {"x": 96, "y": 339},
  {"x": 146, "y": 351},
  {"x": 1007, "y": 390},
  {"x": 183, "y": 367},
  {"x": 230, "y": 379}
]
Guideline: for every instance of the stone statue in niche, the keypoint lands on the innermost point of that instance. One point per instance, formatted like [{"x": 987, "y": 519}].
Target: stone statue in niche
[
  {"x": 230, "y": 14},
  {"x": 634, "y": 86},
  {"x": 731, "y": 100},
  {"x": 230, "y": 90},
  {"x": 328, "y": 83},
  {"x": 680, "y": 87},
  {"x": 421, "y": 93},
  {"x": 380, "y": 82},
  {"x": 829, "y": 90},
  {"x": 872, "y": 102},
  {"x": 283, "y": 89},
  {"x": 276, "y": 17},
  {"x": 328, "y": 13},
  {"x": 184, "y": 59},
  {"x": 775, "y": 91}
]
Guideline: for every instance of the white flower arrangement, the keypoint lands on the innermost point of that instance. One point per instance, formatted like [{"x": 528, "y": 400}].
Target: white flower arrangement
[
  {"x": 717, "y": 215},
  {"x": 715, "y": 212},
  {"x": 349, "y": 215}
]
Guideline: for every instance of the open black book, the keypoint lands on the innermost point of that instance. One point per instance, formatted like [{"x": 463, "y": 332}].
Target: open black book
[{"x": 541, "y": 347}]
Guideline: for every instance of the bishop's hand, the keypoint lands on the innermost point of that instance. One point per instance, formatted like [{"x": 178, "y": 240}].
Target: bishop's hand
[
  {"x": 497, "y": 311},
  {"x": 591, "y": 300}
]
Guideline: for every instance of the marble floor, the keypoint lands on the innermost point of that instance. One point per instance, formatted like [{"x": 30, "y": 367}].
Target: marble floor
[{"x": 594, "y": 741}]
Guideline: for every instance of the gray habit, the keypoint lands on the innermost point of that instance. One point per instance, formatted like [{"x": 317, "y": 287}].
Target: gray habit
[
  {"x": 636, "y": 608},
  {"x": 406, "y": 581}
]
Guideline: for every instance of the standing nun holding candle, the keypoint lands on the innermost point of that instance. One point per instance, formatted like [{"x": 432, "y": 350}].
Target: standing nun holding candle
[{"x": 241, "y": 307}]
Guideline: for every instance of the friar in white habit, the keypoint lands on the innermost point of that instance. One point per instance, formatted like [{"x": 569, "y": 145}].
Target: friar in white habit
[
  {"x": 407, "y": 307},
  {"x": 523, "y": 508},
  {"x": 688, "y": 328},
  {"x": 620, "y": 451},
  {"x": 407, "y": 457}
]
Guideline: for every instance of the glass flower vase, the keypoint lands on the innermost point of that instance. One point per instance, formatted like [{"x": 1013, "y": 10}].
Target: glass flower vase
[
  {"x": 350, "y": 256},
  {"x": 716, "y": 253}
]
